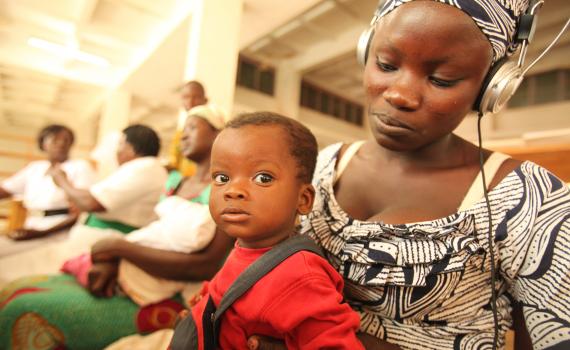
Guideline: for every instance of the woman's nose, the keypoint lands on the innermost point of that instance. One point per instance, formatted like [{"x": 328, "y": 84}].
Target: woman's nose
[{"x": 403, "y": 93}]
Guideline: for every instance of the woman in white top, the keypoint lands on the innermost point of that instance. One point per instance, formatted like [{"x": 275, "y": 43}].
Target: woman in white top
[
  {"x": 47, "y": 207},
  {"x": 124, "y": 200},
  {"x": 118, "y": 204}
]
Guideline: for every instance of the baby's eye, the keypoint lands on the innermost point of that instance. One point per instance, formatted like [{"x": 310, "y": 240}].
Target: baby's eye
[
  {"x": 221, "y": 178},
  {"x": 263, "y": 178}
]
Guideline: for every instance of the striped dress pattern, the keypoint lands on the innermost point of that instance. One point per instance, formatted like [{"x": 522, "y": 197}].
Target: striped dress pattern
[{"x": 427, "y": 285}]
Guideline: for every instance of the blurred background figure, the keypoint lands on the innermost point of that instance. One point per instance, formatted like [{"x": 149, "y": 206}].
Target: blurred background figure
[
  {"x": 118, "y": 204},
  {"x": 193, "y": 94},
  {"x": 47, "y": 208},
  {"x": 104, "y": 154}
]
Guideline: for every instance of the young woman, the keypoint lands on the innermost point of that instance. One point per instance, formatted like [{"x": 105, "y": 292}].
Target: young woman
[
  {"x": 403, "y": 217},
  {"x": 48, "y": 209}
]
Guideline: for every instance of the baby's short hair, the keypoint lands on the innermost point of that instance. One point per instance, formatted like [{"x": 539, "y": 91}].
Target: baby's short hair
[{"x": 302, "y": 143}]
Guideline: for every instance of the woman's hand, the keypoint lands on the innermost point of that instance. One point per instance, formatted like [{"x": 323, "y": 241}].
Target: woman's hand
[
  {"x": 58, "y": 175},
  {"x": 265, "y": 343},
  {"x": 24, "y": 234},
  {"x": 372, "y": 343},
  {"x": 102, "y": 279},
  {"x": 103, "y": 250},
  {"x": 257, "y": 342}
]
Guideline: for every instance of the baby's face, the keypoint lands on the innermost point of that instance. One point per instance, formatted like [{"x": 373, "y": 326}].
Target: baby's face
[{"x": 256, "y": 194}]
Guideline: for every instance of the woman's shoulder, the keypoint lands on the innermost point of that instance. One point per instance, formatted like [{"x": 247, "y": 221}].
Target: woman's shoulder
[
  {"x": 148, "y": 169},
  {"x": 507, "y": 167},
  {"x": 537, "y": 176},
  {"x": 37, "y": 164},
  {"x": 78, "y": 165},
  {"x": 330, "y": 157},
  {"x": 331, "y": 151}
]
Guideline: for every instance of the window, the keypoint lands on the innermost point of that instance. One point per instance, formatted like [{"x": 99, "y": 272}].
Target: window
[
  {"x": 253, "y": 75},
  {"x": 520, "y": 97},
  {"x": 542, "y": 88},
  {"x": 566, "y": 82},
  {"x": 320, "y": 100},
  {"x": 546, "y": 87}
]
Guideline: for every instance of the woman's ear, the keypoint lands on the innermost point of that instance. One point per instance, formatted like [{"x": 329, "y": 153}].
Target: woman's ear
[{"x": 306, "y": 199}]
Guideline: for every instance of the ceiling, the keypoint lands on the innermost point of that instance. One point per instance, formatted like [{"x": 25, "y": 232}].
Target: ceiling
[
  {"x": 58, "y": 59},
  {"x": 329, "y": 24}
]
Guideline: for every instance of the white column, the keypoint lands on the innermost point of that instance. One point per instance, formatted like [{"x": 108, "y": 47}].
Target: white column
[
  {"x": 288, "y": 90},
  {"x": 213, "y": 49},
  {"x": 114, "y": 118}
]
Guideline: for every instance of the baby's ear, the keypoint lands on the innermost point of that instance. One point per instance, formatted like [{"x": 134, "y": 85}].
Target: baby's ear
[{"x": 306, "y": 198}]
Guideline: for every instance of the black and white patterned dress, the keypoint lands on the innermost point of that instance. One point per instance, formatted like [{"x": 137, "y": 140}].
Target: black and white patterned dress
[{"x": 427, "y": 285}]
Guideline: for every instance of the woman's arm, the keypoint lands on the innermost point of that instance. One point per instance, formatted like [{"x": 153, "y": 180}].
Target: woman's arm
[
  {"x": 373, "y": 343},
  {"x": 522, "y": 338},
  {"x": 83, "y": 199},
  {"x": 24, "y": 234},
  {"x": 197, "y": 266},
  {"x": 535, "y": 260}
]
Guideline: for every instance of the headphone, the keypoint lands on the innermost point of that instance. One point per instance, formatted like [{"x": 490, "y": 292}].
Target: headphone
[{"x": 504, "y": 76}]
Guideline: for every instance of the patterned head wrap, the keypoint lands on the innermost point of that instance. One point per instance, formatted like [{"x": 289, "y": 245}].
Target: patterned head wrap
[
  {"x": 210, "y": 113},
  {"x": 497, "y": 19}
]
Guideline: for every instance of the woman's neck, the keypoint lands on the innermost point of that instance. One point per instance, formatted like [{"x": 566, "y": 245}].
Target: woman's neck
[
  {"x": 448, "y": 152},
  {"x": 58, "y": 160},
  {"x": 203, "y": 170}
]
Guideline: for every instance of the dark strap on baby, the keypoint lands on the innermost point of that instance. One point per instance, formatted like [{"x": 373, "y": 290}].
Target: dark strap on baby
[
  {"x": 186, "y": 335},
  {"x": 248, "y": 278}
]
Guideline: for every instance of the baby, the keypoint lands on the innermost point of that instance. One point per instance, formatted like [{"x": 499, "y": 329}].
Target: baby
[{"x": 262, "y": 167}]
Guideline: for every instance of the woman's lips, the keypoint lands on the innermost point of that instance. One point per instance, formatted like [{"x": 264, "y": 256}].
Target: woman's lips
[{"x": 390, "y": 126}]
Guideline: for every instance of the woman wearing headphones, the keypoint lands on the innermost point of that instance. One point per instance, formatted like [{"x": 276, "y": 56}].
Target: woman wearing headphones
[{"x": 404, "y": 217}]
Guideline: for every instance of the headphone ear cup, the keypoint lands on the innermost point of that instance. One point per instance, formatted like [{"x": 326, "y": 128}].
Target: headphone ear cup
[
  {"x": 363, "y": 46},
  {"x": 499, "y": 86}
]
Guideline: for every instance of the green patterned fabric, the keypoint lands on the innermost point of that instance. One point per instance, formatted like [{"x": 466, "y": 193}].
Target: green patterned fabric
[
  {"x": 173, "y": 182},
  {"x": 55, "y": 312}
]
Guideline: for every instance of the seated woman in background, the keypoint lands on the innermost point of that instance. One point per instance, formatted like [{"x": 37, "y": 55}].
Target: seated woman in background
[
  {"x": 118, "y": 204},
  {"x": 129, "y": 287},
  {"x": 47, "y": 208}
]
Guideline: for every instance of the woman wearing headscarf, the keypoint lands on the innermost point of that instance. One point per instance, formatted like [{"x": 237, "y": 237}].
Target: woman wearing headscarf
[
  {"x": 131, "y": 284},
  {"x": 427, "y": 261}
]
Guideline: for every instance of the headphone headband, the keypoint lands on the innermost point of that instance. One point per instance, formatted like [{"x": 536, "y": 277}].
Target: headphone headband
[{"x": 504, "y": 76}]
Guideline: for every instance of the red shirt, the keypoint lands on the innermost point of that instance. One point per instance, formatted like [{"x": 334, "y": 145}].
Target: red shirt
[{"x": 300, "y": 301}]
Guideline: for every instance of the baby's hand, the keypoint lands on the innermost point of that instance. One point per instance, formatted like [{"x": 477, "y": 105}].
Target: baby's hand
[
  {"x": 181, "y": 316},
  {"x": 194, "y": 299},
  {"x": 265, "y": 343}
]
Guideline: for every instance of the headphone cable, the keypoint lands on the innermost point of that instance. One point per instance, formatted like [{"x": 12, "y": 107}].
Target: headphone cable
[{"x": 490, "y": 235}]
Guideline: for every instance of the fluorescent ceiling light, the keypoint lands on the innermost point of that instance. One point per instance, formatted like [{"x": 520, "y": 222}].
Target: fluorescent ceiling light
[
  {"x": 287, "y": 28},
  {"x": 318, "y": 10},
  {"x": 259, "y": 44},
  {"x": 68, "y": 52}
]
